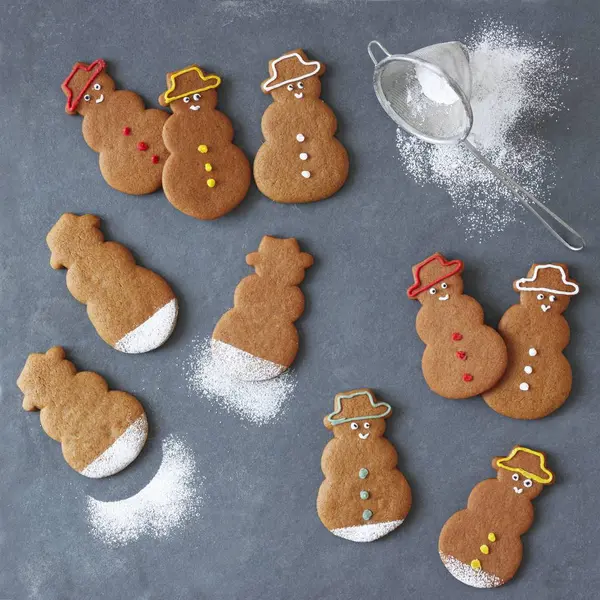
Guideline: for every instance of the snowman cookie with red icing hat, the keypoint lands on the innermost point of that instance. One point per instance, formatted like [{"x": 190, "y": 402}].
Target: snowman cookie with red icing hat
[
  {"x": 116, "y": 124},
  {"x": 538, "y": 378},
  {"x": 300, "y": 160},
  {"x": 463, "y": 357}
]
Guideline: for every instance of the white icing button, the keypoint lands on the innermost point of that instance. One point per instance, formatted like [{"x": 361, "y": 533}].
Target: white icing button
[
  {"x": 528, "y": 370},
  {"x": 300, "y": 137},
  {"x": 524, "y": 387},
  {"x": 306, "y": 174},
  {"x": 532, "y": 351},
  {"x": 303, "y": 156}
]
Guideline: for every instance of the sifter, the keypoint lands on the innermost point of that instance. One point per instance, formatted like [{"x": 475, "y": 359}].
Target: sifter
[{"x": 427, "y": 93}]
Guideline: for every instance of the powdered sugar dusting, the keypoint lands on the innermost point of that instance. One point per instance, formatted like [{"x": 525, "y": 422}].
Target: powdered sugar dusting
[
  {"x": 258, "y": 402},
  {"x": 516, "y": 82},
  {"x": 469, "y": 576},
  {"x": 243, "y": 365},
  {"x": 367, "y": 533},
  {"x": 166, "y": 503}
]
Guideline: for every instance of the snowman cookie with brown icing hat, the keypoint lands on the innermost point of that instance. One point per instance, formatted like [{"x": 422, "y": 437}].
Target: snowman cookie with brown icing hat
[
  {"x": 117, "y": 125},
  {"x": 301, "y": 160},
  {"x": 463, "y": 357},
  {"x": 538, "y": 378},
  {"x": 206, "y": 175},
  {"x": 481, "y": 544},
  {"x": 364, "y": 496}
]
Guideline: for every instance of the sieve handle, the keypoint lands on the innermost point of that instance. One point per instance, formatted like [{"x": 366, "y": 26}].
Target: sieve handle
[
  {"x": 532, "y": 204},
  {"x": 370, "y": 51}
]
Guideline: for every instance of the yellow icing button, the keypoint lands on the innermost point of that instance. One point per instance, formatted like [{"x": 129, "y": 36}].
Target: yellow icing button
[
  {"x": 475, "y": 564},
  {"x": 211, "y": 183},
  {"x": 492, "y": 537},
  {"x": 207, "y": 167},
  {"x": 203, "y": 148},
  {"x": 484, "y": 549}
]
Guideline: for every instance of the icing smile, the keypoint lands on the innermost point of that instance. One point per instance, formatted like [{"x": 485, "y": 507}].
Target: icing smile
[
  {"x": 443, "y": 298},
  {"x": 98, "y": 100},
  {"x": 545, "y": 307},
  {"x": 518, "y": 490},
  {"x": 299, "y": 94},
  {"x": 363, "y": 436},
  {"x": 194, "y": 107}
]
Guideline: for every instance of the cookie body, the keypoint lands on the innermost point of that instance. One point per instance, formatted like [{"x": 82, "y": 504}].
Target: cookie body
[
  {"x": 364, "y": 496},
  {"x": 481, "y": 545},
  {"x": 101, "y": 431},
  {"x": 300, "y": 160},
  {"x": 116, "y": 124},
  {"x": 257, "y": 338},
  {"x": 132, "y": 308},
  {"x": 463, "y": 357},
  {"x": 538, "y": 378},
  {"x": 206, "y": 175}
]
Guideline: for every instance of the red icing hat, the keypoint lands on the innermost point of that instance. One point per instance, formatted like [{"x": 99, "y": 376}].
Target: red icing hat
[
  {"x": 79, "y": 80},
  {"x": 437, "y": 269}
]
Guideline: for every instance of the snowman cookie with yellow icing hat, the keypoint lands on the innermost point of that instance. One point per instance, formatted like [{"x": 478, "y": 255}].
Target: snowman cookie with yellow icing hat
[
  {"x": 481, "y": 544},
  {"x": 364, "y": 496}
]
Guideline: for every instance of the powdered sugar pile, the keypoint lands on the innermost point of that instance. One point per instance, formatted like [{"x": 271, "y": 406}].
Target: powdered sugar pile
[
  {"x": 516, "y": 83},
  {"x": 258, "y": 402},
  {"x": 163, "y": 505}
]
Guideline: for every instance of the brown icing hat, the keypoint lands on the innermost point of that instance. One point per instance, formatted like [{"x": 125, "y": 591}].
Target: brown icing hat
[
  {"x": 79, "y": 80},
  {"x": 527, "y": 462},
  {"x": 186, "y": 82},
  {"x": 290, "y": 67},
  {"x": 431, "y": 271},
  {"x": 552, "y": 278},
  {"x": 357, "y": 405}
]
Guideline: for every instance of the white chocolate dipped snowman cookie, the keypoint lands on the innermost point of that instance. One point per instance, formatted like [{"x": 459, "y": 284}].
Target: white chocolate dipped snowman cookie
[{"x": 538, "y": 378}]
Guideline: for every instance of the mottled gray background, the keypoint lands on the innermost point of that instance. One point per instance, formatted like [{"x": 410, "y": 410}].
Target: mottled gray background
[{"x": 258, "y": 535}]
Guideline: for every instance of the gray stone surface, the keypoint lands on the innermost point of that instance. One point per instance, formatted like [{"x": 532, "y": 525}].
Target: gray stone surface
[{"x": 258, "y": 535}]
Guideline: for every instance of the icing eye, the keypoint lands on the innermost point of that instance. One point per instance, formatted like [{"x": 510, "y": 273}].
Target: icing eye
[
  {"x": 87, "y": 97},
  {"x": 353, "y": 425},
  {"x": 187, "y": 99},
  {"x": 528, "y": 483},
  {"x": 433, "y": 291},
  {"x": 196, "y": 97},
  {"x": 515, "y": 477},
  {"x": 552, "y": 298},
  {"x": 290, "y": 87},
  {"x": 540, "y": 296},
  {"x": 366, "y": 426},
  {"x": 97, "y": 86},
  {"x": 300, "y": 85},
  {"x": 444, "y": 285}
]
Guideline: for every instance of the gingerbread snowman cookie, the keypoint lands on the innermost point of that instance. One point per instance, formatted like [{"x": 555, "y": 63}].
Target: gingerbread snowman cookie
[
  {"x": 364, "y": 496},
  {"x": 463, "y": 357},
  {"x": 206, "y": 175},
  {"x": 481, "y": 544},
  {"x": 117, "y": 125},
  {"x": 538, "y": 378},
  {"x": 101, "y": 431},
  {"x": 301, "y": 160}
]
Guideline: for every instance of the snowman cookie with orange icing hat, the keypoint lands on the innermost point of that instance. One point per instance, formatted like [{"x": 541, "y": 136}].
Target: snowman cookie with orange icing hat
[
  {"x": 116, "y": 124},
  {"x": 364, "y": 496},
  {"x": 463, "y": 357},
  {"x": 481, "y": 544},
  {"x": 538, "y": 378},
  {"x": 206, "y": 175},
  {"x": 301, "y": 160}
]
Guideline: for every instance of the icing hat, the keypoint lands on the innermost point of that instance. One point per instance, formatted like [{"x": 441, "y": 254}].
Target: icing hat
[
  {"x": 289, "y": 68},
  {"x": 79, "y": 80},
  {"x": 529, "y": 463},
  {"x": 431, "y": 271},
  {"x": 186, "y": 82},
  {"x": 357, "y": 405},
  {"x": 551, "y": 278}
]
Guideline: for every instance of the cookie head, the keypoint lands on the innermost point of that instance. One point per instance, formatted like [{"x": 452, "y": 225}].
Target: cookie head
[
  {"x": 87, "y": 87},
  {"x": 547, "y": 288},
  {"x": 524, "y": 471},
  {"x": 190, "y": 91},
  {"x": 293, "y": 77},
  {"x": 71, "y": 238},
  {"x": 436, "y": 280}
]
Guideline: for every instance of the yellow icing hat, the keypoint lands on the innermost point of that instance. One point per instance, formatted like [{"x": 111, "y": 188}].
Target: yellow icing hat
[
  {"x": 188, "y": 81},
  {"x": 527, "y": 462}
]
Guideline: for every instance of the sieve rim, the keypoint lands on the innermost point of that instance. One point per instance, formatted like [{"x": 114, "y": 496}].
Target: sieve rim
[{"x": 404, "y": 124}]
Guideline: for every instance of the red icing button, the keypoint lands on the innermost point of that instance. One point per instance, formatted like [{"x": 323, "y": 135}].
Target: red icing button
[
  {"x": 461, "y": 354},
  {"x": 155, "y": 158},
  {"x": 127, "y": 131},
  {"x": 467, "y": 377},
  {"x": 457, "y": 337},
  {"x": 142, "y": 146}
]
